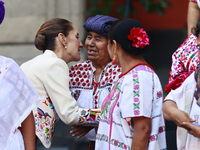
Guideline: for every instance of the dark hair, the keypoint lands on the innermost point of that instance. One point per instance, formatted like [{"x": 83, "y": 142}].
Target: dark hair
[
  {"x": 119, "y": 32},
  {"x": 45, "y": 37},
  {"x": 196, "y": 30}
]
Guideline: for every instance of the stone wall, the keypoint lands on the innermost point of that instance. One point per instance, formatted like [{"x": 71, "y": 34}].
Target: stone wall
[{"x": 23, "y": 19}]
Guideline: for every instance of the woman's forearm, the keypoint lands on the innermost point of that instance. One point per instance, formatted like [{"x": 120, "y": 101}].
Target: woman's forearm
[
  {"x": 168, "y": 107},
  {"x": 171, "y": 112},
  {"x": 28, "y": 132},
  {"x": 192, "y": 16}
]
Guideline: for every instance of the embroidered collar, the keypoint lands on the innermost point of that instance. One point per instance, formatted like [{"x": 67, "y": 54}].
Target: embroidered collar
[{"x": 134, "y": 67}]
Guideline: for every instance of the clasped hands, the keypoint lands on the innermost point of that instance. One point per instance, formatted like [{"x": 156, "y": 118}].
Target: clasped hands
[
  {"x": 80, "y": 131},
  {"x": 182, "y": 119}
]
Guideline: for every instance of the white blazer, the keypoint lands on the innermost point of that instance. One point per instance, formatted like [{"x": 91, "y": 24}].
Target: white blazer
[{"x": 50, "y": 77}]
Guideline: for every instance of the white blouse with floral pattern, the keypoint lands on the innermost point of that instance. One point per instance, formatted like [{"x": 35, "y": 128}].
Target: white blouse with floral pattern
[{"x": 136, "y": 94}]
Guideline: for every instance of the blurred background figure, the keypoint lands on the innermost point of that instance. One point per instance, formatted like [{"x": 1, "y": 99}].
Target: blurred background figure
[
  {"x": 193, "y": 14},
  {"x": 185, "y": 59},
  {"x": 183, "y": 107}
]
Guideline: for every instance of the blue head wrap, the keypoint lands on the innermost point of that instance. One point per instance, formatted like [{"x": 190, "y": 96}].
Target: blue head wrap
[
  {"x": 2, "y": 11},
  {"x": 99, "y": 24}
]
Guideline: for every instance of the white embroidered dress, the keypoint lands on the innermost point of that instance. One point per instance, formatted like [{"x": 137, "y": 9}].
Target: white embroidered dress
[{"x": 138, "y": 93}]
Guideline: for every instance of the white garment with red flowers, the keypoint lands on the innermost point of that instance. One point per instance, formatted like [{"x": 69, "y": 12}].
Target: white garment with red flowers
[
  {"x": 185, "y": 58},
  {"x": 86, "y": 91},
  {"x": 186, "y": 101},
  {"x": 136, "y": 94},
  {"x": 184, "y": 62}
]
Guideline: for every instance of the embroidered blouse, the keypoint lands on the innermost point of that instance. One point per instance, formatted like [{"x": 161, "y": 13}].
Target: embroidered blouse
[
  {"x": 135, "y": 94},
  {"x": 84, "y": 88},
  {"x": 184, "y": 62}
]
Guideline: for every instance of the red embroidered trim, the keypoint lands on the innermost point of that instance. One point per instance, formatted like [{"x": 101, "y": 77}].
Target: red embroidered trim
[
  {"x": 134, "y": 67},
  {"x": 195, "y": 1},
  {"x": 96, "y": 84}
]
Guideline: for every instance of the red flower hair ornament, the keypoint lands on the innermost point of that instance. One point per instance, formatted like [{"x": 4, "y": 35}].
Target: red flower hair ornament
[{"x": 139, "y": 37}]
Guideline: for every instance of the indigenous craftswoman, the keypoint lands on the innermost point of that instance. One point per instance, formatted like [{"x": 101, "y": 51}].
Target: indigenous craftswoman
[
  {"x": 185, "y": 59},
  {"x": 91, "y": 80},
  {"x": 131, "y": 116},
  {"x": 48, "y": 72},
  {"x": 18, "y": 99},
  {"x": 183, "y": 107}
]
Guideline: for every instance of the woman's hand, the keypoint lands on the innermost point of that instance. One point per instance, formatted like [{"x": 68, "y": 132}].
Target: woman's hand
[
  {"x": 180, "y": 116},
  {"x": 80, "y": 131},
  {"x": 171, "y": 112},
  {"x": 192, "y": 129}
]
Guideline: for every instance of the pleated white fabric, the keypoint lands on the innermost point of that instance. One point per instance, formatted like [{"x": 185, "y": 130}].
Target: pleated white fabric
[{"x": 17, "y": 99}]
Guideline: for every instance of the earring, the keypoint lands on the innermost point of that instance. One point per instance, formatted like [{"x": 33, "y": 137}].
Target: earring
[
  {"x": 66, "y": 47},
  {"x": 113, "y": 60}
]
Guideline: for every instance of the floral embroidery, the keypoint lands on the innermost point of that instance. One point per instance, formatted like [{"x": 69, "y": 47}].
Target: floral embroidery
[
  {"x": 136, "y": 99},
  {"x": 89, "y": 117},
  {"x": 136, "y": 87},
  {"x": 116, "y": 142},
  {"x": 136, "y": 112},
  {"x": 152, "y": 138},
  {"x": 184, "y": 59},
  {"x": 161, "y": 129},
  {"x": 103, "y": 137},
  {"x": 45, "y": 121},
  {"x": 159, "y": 94},
  {"x": 135, "y": 76},
  {"x": 155, "y": 136},
  {"x": 125, "y": 146},
  {"x": 112, "y": 126},
  {"x": 83, "y": 112},
  {"x": 136, "y": 91}
]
